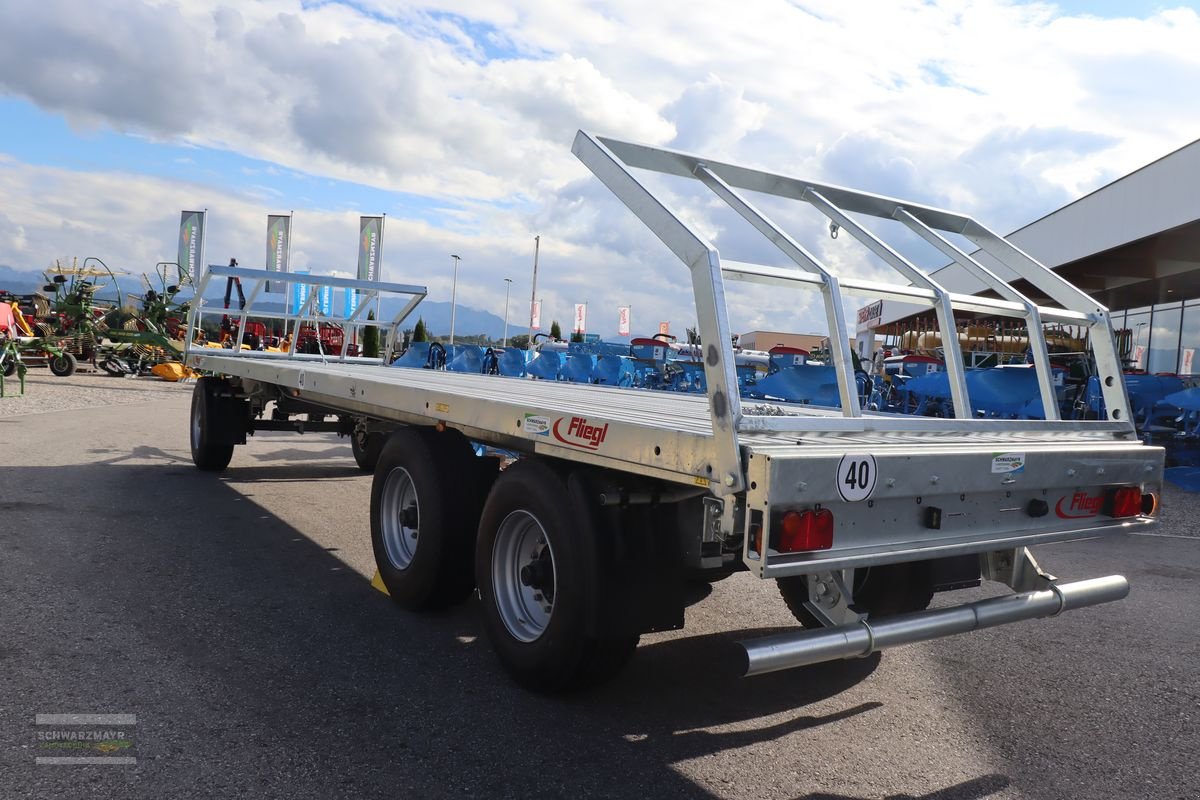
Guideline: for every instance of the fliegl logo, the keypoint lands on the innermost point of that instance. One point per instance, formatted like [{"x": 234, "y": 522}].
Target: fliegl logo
[
  {"x": 579, "y": 433},
  {"x": 1082, "y": 505}
]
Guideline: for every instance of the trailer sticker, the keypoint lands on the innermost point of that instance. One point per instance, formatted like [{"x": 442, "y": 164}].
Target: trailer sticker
[
  {"x": 1007, "y": 463},
  {"x": 537, "y": 425},
  {"x": 1082, "y": 505},
  {"x": 856, "y": 476},
  {"x": 580, "y": 433}
]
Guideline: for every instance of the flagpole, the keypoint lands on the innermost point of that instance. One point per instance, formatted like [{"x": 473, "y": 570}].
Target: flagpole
[{"x": 533, "y": 293}]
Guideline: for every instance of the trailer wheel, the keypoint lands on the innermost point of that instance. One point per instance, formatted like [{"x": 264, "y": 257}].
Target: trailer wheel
[
  {"x": 882, "y": 591},
  {"x": 366, "y": 448},
  {"x": 535, "y": 566},
  {"x": 422, "y": 525},
  {"x": 63, "y": 366},
  {"x": 10, "y": 367},
  {"x": 209, "y": 450}
]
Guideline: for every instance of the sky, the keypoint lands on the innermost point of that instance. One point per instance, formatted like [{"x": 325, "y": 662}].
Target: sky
[{"x": 455, "y": 119}]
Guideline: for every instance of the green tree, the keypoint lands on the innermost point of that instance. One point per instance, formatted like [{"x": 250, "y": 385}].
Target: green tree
[
  {"x": 370, "y": 338},
  {"x": 576, "y": 337},
  {"x": 520, "y": 341},
  {"x": 555, "y": 331},
  {"x": 419, "y": 332}
]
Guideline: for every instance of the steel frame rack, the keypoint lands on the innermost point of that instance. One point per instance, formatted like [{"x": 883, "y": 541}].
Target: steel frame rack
[{"x": 613, "y": 160}]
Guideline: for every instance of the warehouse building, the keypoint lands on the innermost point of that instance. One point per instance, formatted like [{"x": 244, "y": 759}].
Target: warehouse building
[{"x": 1133, "y": 244}]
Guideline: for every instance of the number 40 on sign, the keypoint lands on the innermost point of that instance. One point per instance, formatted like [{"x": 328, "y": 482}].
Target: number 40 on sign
[{"x": 856, "y": 477}]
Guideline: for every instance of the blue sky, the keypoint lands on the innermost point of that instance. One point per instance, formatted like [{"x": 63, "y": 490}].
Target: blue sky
[
  {"x": 40, "y": 137},
  {"x": 1113, "y": 9},
  {"x": 455, "y": 119}
]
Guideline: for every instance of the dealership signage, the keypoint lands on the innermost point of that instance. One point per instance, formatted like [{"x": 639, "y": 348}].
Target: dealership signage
[{"x": 870, "y": 316}]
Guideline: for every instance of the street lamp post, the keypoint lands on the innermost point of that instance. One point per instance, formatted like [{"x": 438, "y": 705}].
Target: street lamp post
[
  {"x": 507, "y": 289},
  {"x": 453, "y": 298}
]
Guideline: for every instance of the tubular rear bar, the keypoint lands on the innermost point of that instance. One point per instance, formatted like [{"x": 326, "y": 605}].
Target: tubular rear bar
[{"x": 787, "y": 651}]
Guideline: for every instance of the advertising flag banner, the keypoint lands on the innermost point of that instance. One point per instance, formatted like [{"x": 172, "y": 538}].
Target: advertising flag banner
[
  {"x": 370, "y": 247},
  {"x": 299, "y": 294},
  {"x": 350, "y": 303},
  {"x": 325, "y": 300},
  {"x": 664, "y": 328},
  {"x": 1185, "y": 368},
  {"x": 623, "y": 321},
  {"x": 535, "y": 316},
  {"x": 580, "y": 317},
  {"x": 279, "y": 246},
  {"x": 191, "y": 245}
]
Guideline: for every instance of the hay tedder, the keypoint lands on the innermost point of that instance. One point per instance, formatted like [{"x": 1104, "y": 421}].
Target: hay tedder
[
  {"x": 151, "y": 336},
  {"x": 66, "y": 324},
  {"x": 59, "y": 326}
]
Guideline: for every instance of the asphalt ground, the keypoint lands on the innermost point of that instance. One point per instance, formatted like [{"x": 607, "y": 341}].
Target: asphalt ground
[{"x": 232, "y": 616}]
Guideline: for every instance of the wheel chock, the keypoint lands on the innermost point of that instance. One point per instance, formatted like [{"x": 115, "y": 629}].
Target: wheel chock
[{"x": 377, "y": 583}]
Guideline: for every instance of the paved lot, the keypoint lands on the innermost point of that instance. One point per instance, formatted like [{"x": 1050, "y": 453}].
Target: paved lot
[{"x": 233, "y": 617}]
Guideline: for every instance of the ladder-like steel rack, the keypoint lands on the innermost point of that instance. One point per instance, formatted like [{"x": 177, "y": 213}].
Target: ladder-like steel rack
[
  {"x": 612, "y": 161},
  {"x": 368, "y": 293}
]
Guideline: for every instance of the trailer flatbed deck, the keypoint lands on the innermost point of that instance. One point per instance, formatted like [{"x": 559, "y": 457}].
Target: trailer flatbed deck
[{"x": 668, "y": 436}]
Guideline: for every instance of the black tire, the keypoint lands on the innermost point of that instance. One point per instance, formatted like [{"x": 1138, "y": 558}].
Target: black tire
[
  {"x": 366, "y": 448},
  {"x": 563, "y": 655},
  {"x": 436, "y": 570},
  {"x": 207, "y": 454},
  {"x": 878, "y": 592},
  {"x": 63, "y": 366},
  {"x": 10, "y": 367},
  {"x": 115, "y": 367}
]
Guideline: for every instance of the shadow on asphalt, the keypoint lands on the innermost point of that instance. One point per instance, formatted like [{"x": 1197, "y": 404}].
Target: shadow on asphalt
[
  {"x": 974, "y": 789},
  {"x": 302, "y": 663},
  {"x": 313, "y": 467},
  {"x": 297, "y": 456}
]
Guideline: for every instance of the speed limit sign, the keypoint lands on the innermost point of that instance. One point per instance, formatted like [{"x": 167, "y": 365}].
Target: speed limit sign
[{"x": 856, "y": 477}]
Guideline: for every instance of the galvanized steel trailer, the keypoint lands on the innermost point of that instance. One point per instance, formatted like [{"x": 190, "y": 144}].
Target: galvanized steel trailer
[{"x": 619, "y": 496}]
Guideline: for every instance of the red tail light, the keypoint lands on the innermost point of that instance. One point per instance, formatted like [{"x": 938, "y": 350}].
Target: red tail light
[
  {"x": 806, "y": 530},
  {"x": 1126, "y": 502}
]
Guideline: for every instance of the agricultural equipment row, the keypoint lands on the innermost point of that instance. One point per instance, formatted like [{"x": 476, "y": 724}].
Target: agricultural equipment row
[
  {"x": 66, "y": 323},
  {"x": 1164, "y": 408}
]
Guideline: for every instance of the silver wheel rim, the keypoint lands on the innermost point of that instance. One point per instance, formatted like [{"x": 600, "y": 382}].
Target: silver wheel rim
[
  {"x": 400, "y": 518},
  {"x": 196, "y": 424},
  {"x": 524, "y": 576}
]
